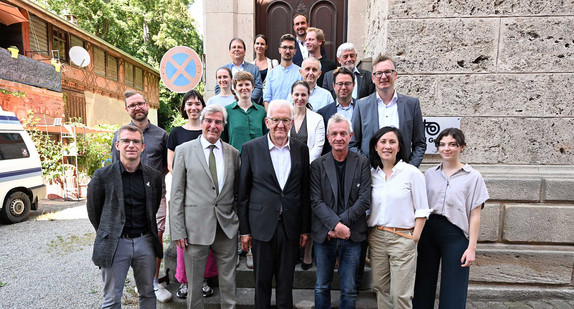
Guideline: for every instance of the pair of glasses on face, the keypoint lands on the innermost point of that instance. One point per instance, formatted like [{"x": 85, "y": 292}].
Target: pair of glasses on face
[
  {"x": 387, "y": 73},
  {"x": 128, "y": 141},
  {"x": 288, "y": 47},
  {"x": 133, "y": 106},
  {"x": 210, "y": 121},
  {"x": 285, "y": 121},
  {"x": 346, "y": 84}
]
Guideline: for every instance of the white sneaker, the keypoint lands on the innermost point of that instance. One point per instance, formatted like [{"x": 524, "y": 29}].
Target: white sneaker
[{"x": 162, "y": 294}]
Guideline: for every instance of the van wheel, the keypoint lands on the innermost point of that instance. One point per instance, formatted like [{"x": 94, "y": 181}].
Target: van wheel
[{"x": 16, "y": 208}]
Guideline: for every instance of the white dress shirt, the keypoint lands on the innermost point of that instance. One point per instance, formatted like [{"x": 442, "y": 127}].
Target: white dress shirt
[
  {"x": 303, "y": 49},
  {"x": 219, "y": 162},
  {"x": 235, "y": 69},
  {"x": 388, "y": 113},
  {"x": 281, "y": 159},
  {"x": 397, "y": 201}
]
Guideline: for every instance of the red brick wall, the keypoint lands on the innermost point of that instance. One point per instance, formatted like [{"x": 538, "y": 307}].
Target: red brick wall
[{"x": 41, "y": 101}]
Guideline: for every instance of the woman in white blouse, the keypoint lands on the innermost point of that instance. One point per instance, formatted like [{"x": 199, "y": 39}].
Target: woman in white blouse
[
  {"x": 309, "y": 128},
  {"x": 399, "y": 209},
  {"x": 456, "y": 194}
]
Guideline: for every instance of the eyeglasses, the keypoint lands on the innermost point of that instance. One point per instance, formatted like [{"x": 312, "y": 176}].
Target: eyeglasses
[
  {"x": 288, "y": 47},
  {"x": 210, "y": 121},
  {"x": 133, "y": 106},
  {"x": 346, "y": 84},
  {"x": 285, "y": 121},
  {"x": 128, "y": 141},
  {"x": 387, "y": 73}
]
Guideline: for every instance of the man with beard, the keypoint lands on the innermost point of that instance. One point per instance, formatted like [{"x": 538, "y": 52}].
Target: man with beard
[
  {"x": 155, "y": 156},
  {"x": 280, "y": 79},
  {"x": 347, "y": 57}
]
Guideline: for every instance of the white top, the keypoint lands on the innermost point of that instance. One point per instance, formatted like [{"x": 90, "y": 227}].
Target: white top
[
  {"x": 303, "y": 48},
  {"x": 219, "y": 162},
  {"x": 456, "y": 196},
  {"x": 388, "y": 114},
  {"x": 281, "y": 159},
  {"x": 397, "y": 201}
]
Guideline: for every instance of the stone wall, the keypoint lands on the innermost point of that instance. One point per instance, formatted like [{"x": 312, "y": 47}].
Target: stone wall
[{"x": 507, "y": 69}]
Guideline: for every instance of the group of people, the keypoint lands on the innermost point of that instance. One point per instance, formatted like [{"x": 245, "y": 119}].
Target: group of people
[{"x": 252, "y": 165}]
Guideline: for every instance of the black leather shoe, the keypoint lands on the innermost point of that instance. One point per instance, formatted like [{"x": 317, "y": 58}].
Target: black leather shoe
[{"x": 306, "y": 266}]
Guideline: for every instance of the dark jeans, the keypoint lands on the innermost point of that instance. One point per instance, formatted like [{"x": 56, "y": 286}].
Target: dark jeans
[
  {"x": 441, "y": 240},
  {"x": 349, "y": 253}
]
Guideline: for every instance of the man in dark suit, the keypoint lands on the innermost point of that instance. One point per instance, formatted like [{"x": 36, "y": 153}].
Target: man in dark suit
[
  {"x": 300, "y": 26},
  {"x": 273, "y": 206},
  {"x": 386, "y": 107},
  {"x": 340, "y": 196},
  {"x": 347, "y": 57},
  {"x": 237, "y": 53},
  {"x": 123, "y": 199},
  {"x": 344, "y": 103}
]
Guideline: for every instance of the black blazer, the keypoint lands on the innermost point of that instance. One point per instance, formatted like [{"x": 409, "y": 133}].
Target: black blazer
[
  {"x": 326, "y": 112},
  {"x": 324, "y": 196},
  {"x": 298, "y": 57},
  {"x": 106, "y": 211},
  {"x": 261, "y": 197},
  {"x": 363, "y": 82}
]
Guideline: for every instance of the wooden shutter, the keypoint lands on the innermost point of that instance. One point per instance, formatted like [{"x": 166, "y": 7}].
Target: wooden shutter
[
  {"x": 138, "y": 82},
  {"x": 99, "y": 61},
  {"x": 129, "y": 74},
  {"x": 112, "y": 65},
  {"x": 39, "y": 36}
]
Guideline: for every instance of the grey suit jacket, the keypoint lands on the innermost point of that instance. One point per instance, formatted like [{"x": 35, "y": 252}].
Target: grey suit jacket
[
  {"x": 363, "y": 82},
  {"x": 366, "y": 123},
  {"x": 254, "y": 70},
  {"x": 195, "y": 208},
  {"x": 325, "y": 196},
  {"x": 106, "y": 210}
]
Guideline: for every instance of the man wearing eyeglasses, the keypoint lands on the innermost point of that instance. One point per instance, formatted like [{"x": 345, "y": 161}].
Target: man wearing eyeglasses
[
  {"x": 154, "y": 156},
  {"x": 280, "y": 79},
  {"x": 273, "y": 204},
  {"x": 202, "y": 207},
  {"x": 122, "y": 202},
  {"x": 386, "y": 107},
  {"x": 345, "y": 103}
]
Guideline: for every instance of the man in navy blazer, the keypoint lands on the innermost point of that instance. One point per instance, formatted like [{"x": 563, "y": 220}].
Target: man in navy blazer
[
  {"x": 237, "y": 53},
  {"x": 386, "y": 107},
  {"x": 340, "y": 197},
  {"x": 273, "y": 204},
  {"x": 344, "y": 103},
  {"x": 347, "y": 57},
  {"x": 300, "y": 26}
]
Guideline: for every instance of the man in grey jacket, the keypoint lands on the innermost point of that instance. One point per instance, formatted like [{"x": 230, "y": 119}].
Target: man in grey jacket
[{"x": 123, "y": 199}]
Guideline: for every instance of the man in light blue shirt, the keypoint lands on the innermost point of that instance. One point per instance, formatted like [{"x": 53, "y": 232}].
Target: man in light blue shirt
[
  {"x": 310, "y": 72},
  {"x": 280, "y": 79}
]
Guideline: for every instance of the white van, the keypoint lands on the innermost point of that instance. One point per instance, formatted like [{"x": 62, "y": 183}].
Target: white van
[{"x": 21, "y": 184}]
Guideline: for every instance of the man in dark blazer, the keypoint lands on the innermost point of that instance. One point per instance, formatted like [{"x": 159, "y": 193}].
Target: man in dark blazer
[
  {"x": 273, "y": 206},
  {"x": 203, "y": 203},
  {"x": 300, "y": 26},
  {"x": 344, "y": 103},
  {"x": 386, "y": 107},
  {"x": 238, "y": 63},
  {"x": 122, "y": 202},
  {"x": 340, "y": 196},
  {"x": 347, "y": 57}
]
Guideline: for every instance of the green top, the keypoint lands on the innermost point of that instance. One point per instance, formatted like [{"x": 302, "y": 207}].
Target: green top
[{"x": 243, "y": 126}]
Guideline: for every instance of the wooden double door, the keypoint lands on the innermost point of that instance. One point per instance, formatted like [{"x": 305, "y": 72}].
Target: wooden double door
[{"x": 275, "y": 18}]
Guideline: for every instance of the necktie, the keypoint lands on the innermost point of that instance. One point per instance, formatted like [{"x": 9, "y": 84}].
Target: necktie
[{"x": 213, "y": 168}]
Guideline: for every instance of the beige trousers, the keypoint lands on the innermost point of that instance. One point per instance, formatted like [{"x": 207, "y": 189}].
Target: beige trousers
[{"x": 393, "y": 264}]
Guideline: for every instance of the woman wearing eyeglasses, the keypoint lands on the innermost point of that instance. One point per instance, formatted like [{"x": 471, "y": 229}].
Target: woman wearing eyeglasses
[
  {"x": 399, "y": 209},
  {"x": 309, "y": 128},
  {"x": 456, "y": 193}
]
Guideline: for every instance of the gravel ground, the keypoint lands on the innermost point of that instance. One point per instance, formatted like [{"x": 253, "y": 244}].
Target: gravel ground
[{"x": 46, "y": 261}]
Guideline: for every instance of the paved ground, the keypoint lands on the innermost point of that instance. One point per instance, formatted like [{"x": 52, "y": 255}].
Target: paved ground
[{"x": 45, "y": 262}]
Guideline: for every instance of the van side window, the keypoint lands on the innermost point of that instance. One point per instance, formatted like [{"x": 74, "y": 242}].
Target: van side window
[{"x": 12, "y": 146}]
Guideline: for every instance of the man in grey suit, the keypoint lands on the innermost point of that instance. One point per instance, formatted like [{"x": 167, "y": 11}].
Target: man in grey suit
[
  {"x": 340, "y": 196},
  {"x": 123, "y": 199},
  {"x": 237, "y": 53},
  {"x": 386, "y": 107},
  {"x": 203, "y": 206},
  {"x": 347, "y": 58}
]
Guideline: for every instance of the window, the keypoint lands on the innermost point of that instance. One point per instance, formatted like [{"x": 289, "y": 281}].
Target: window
[
  {"x": 99, "y": 61},
  {"x": 112, "y": 67},
  {"x": 129, "y": 74},
  {"x": 38, "y": 36},
  {"x": 12, "y": 146},
  {"x": 59, "y": 43},
  {"x": 76, "y": 41},
  {"x": 138, "y": 82}
]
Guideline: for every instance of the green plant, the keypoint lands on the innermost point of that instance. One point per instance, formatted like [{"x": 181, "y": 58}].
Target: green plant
[
  {"x": 50, "y": 151},
  {"x": 95, "y": 148}
]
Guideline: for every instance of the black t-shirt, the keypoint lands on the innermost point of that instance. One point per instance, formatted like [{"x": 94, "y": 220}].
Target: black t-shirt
[
  {"x": 341, "y": 185},
  {"x": 180, "y": 135}
]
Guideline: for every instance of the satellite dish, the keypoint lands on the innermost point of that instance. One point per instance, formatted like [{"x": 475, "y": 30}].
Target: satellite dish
[{"x": 79, "y": 56}]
